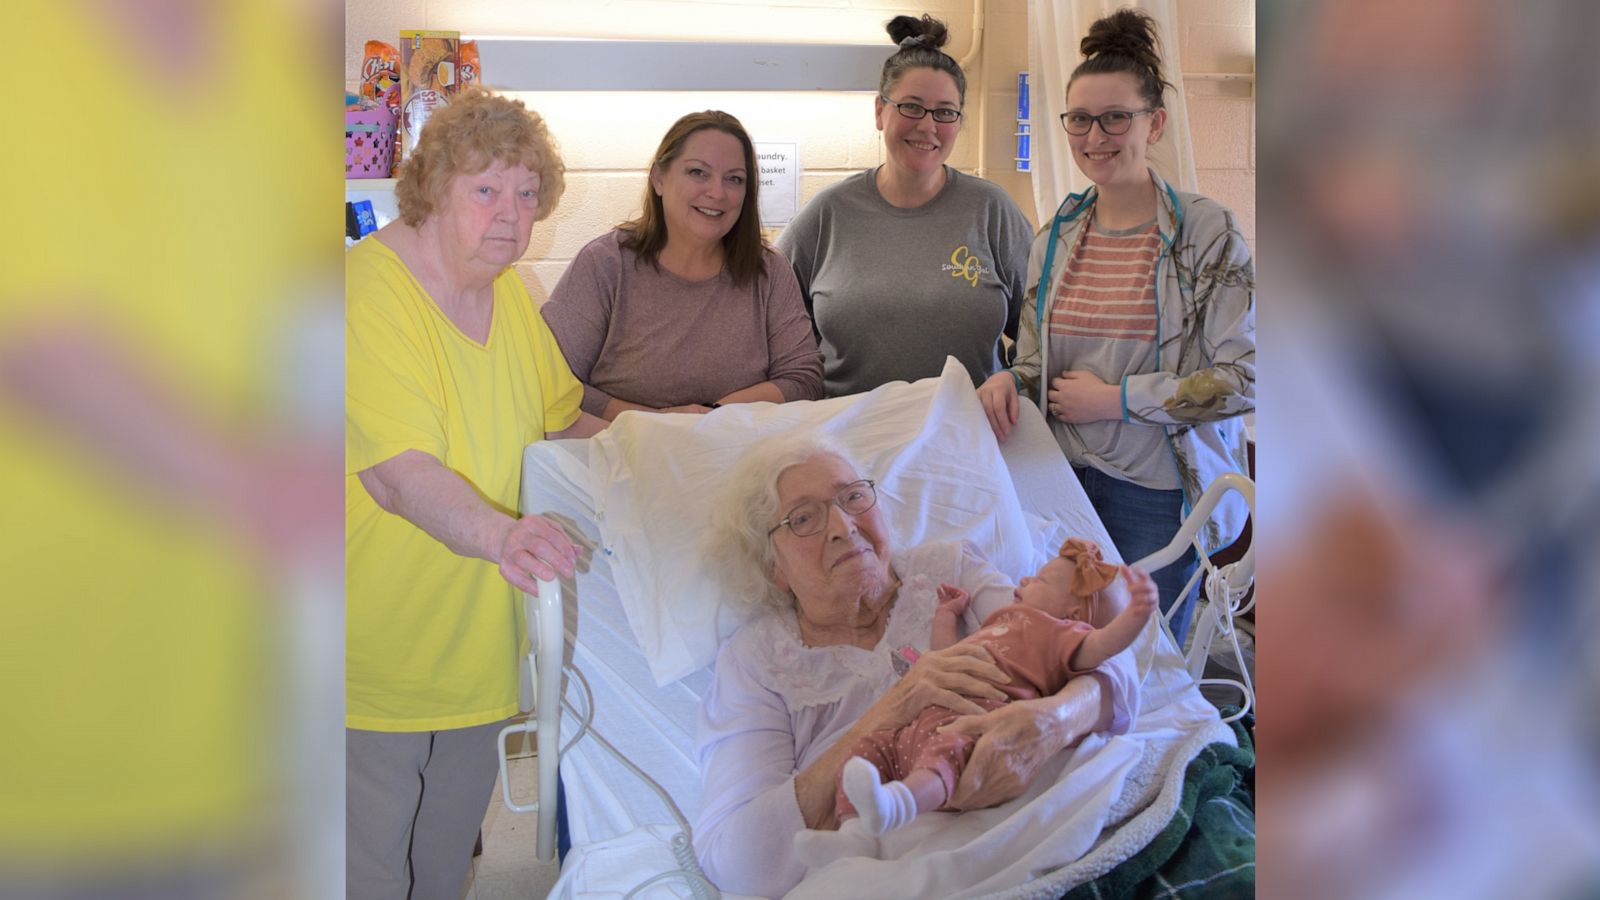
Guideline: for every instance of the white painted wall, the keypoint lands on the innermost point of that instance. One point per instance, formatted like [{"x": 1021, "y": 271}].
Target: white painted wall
[{"x": 607, "y": 138}]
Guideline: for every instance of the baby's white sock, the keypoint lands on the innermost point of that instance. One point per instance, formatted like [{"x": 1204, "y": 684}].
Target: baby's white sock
[{"x": 882, "y": 807}]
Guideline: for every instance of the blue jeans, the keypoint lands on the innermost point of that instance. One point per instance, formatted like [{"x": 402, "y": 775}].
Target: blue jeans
[{"x": 1141, "y": 521}]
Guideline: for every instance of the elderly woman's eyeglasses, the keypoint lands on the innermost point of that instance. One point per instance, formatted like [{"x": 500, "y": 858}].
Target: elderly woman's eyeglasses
[
  {"x": 944, "y": 115},
  {"x": 1116, "y": 121},
  {"x": 811, "y": 517}
]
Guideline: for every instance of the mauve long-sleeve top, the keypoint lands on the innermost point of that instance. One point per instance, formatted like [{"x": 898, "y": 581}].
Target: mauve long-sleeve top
[{"x": 641, "y": 334}]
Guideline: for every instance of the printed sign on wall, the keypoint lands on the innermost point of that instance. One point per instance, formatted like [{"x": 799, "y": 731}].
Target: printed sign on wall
[{"x": 779, "y": 165}]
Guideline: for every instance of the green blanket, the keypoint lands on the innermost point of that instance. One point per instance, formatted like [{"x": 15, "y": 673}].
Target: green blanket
[{"x": 1209, "y": 847}]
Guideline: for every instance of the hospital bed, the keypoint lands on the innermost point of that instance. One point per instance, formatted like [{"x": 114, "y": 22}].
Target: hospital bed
[{"x": 622, "y": 720}]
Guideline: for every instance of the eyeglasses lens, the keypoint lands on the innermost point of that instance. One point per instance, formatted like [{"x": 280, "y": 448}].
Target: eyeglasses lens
[
  {"x": 809, "y": 518},
  {"x": 1078, "y": 124},
  {"x": 943, "y": 115}
]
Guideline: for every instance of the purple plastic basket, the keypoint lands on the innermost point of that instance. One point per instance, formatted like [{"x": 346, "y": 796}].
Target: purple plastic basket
[{"x": 368, "y": 143}]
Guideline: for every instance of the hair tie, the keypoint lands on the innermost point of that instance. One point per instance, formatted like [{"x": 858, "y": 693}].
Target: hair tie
[{"x": 916, "y": 40}]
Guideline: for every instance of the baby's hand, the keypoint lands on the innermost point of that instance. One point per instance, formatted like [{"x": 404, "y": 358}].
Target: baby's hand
[
  {"x": 953, "y": 599},
  {"x": 1142, "y": 594}
]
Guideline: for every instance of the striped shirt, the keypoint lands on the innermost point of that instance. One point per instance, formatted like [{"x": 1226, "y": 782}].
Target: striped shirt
[
  {"x": 1103, "y": 320},
  {"x": 1109, "y": 291}
]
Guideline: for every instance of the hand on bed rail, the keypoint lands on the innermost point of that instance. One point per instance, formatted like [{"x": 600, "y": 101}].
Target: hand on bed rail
[{"x": 533, "y": 549}]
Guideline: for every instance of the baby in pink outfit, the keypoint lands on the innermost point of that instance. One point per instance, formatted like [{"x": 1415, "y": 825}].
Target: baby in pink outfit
[{"x": 1071, "y": 617}]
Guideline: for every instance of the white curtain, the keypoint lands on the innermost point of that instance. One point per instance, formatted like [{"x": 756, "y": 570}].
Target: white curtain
[{"x": 1054, "y": 29}]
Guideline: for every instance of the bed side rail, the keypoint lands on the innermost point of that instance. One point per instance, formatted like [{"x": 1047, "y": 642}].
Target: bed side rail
[
  {"x": 1226, "y": 587},
  {"x": 546, "y": 658},
  {"x": 546, "y": 635}
]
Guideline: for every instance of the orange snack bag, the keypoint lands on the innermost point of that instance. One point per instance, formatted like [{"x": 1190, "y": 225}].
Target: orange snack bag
[
  {"x": 467, "y": 56},
  {"x": 380, "y": 75}
]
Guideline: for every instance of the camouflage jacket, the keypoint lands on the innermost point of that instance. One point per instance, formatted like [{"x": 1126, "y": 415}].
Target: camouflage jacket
[{"x": 1206, "y": 338}]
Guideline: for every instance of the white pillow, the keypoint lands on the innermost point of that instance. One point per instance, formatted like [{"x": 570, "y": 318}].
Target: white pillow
[{"x": 939, "y": 471}]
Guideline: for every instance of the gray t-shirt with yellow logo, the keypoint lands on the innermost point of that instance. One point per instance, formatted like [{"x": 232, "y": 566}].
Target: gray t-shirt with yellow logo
[{"x": 892, "y": 292}]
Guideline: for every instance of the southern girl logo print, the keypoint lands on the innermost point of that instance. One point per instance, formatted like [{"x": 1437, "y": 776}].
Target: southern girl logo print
[{"x": 965, "y": 266}]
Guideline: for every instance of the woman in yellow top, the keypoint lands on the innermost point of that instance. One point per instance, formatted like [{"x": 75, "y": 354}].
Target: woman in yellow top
[{"x": 450, "y": 373}]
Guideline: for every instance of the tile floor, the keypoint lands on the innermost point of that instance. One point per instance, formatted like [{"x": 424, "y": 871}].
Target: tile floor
[{"x": 509, "y": 866}]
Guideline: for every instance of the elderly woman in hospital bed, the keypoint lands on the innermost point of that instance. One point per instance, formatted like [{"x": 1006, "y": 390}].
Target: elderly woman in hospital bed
[{"x": 799, "y": 530}]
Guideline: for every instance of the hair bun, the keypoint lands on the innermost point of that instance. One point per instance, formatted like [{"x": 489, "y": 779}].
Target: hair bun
[
  {"x": 1126, "y": 32},
  {"x": 932, "y": 32}
]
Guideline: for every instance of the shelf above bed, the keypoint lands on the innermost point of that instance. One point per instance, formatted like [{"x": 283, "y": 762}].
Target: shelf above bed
[{"x": 575, "y": 64}]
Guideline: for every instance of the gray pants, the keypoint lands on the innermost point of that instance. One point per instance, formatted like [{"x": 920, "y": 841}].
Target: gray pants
[{"x": 414, "y": 802}]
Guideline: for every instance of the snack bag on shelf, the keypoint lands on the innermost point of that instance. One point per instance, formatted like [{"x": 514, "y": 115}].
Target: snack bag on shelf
[
  {"x": 468, "y": 57},
  {"x": 380, "y": 75},
  {"x": 428, "y": 76}
]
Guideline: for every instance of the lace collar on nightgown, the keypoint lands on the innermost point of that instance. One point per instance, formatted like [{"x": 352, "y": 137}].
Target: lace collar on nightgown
[{"x": 812, "y": 676}]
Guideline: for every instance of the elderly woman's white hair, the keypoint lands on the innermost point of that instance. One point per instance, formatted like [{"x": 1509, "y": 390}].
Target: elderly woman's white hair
[{"x": 746, "y": 509}]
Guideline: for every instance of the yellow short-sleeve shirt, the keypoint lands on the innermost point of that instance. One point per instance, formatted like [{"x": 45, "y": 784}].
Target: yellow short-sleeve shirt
[{"x": 432, "y": 638}]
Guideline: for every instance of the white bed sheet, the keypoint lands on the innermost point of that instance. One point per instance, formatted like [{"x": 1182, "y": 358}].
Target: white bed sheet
[
  {"x": 653, "y": 726},
  {"x": 607, "y": 806}
]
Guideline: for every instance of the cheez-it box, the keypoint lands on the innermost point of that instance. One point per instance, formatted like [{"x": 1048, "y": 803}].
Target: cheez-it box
[{"x": 429, "y": 66}]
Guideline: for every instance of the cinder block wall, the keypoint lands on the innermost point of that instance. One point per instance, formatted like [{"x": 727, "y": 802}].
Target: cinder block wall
[
  {"x": 607, "y": 138},
  {"x": 1220, "y": 36}
]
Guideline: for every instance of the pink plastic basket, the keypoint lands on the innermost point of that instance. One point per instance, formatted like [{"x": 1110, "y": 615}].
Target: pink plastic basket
[{"x": 368, "y": 143}]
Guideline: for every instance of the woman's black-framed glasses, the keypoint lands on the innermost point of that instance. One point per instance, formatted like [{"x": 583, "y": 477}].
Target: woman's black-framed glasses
[
  {"x": 944, "y": 115},
  {"x": 1116, "y": 121},
  {"x": 811, "y": 517}
]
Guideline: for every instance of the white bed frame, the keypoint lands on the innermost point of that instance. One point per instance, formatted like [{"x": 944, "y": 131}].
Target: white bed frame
[
  {"x": 1227, "y": 588},
  {"x": 546, "y": 637}
]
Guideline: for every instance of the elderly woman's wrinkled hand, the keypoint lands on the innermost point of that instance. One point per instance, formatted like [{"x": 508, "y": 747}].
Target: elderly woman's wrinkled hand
[
  {"x": 948, "y": 678},
  {"x": 1013, "y": 741},
  {"x": 536, "y": 548}
]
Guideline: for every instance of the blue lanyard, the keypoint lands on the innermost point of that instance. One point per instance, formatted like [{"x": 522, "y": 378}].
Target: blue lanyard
[
  {"x": 1043, "y": 290},
  {"x": 1055, "y": 235},
  {"x": 1049, "y": 260}
]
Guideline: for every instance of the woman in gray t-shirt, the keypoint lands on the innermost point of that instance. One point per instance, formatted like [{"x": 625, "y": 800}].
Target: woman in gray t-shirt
[{"x": 910, "y": 262}]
